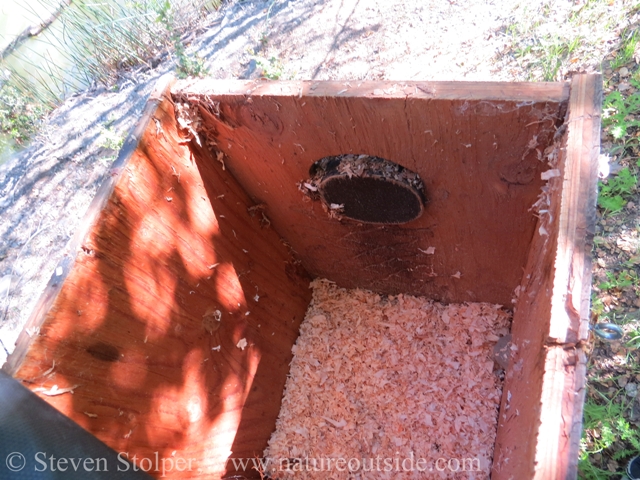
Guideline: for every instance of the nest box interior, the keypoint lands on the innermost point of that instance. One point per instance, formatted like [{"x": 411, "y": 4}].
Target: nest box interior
[{"x": 174, "y": 317}]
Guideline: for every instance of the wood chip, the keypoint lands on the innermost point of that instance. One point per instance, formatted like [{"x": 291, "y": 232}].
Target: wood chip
[
  {"x": 550, "y": 174},
  {"x": 31, "y": 331},
  {"x": 393, "y": 377},
  {"x": 54, "y": 391},
  {"x": 50, "y": 370}
]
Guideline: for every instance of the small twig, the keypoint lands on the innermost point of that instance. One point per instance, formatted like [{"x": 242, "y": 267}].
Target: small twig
[{"x": 5, "y": 348}]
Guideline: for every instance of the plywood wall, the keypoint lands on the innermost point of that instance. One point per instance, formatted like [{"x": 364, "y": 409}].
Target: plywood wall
[
  {"x": 169, "y": 334},
  {"x": 540, "y": 422},
  {"x": 169, "y": 330},
  {"x": 477, "y": 146}
]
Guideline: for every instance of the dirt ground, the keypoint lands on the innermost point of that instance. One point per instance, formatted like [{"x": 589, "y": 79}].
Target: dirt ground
[{"x": 46, "y": 189}]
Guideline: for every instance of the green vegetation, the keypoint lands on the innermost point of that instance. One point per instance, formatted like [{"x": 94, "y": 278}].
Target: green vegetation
[
  {"x": 270, "y": 65},
  {"x": 597, "y": 306},
  {"x": 633, "y": 341},
  {"x": 272, "y": 68},
  {"x": 188, "y": 66},
  {"x": 603, "y": 426},
  {"x": 624, "y": 279},
  {"x": 548, "y": 54},
  {"x": 608, "y": 439},
  {"x": 20, "y": 116},
  {"x": 100, "y": 40},
  {"x": 549, "y": 38},
  {"x": 111, "y": 139},
  {"x": 621, "y": 113},
  {"x": 626, "y": 50},
  {"x": 615, "y": 192}
]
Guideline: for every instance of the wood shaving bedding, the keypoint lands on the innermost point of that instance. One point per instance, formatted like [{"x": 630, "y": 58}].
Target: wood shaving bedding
[{"x": 396, "y": 377}]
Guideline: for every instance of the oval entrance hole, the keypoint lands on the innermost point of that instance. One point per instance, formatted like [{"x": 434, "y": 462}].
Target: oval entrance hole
[{"x": 368, "y": 189}]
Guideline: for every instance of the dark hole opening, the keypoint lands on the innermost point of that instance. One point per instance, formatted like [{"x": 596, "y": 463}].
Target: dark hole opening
[{"x": 367, "y": 189}]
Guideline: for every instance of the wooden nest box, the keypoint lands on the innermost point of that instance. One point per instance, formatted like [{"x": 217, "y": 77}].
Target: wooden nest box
[{"x": 174, "y": 318}]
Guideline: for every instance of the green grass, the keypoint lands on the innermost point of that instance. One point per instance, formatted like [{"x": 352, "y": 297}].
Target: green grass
[
  {"x": 101, "y": 39},
  {"x": 552, "y": 38},
  {"x": 603, "y": 426},
  {"x": 627, "y": 49},
  {"x": 615, "y": 192},
  {"x": 606, "y": 432},
  {"x": 621, "y": 113},
  {"x": 633, "y": 340},
  {"x": 609, "y": 440},
  {"x": 548, "y": 54},
  {"x": 188, "y": 65}
]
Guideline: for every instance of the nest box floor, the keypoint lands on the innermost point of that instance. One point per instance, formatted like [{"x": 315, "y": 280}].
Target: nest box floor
[{"x": 389, "y": 377}]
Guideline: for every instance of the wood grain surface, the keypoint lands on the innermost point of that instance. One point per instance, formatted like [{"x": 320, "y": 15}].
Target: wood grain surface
[
  {"x": 170, "y": 326},
  {"x": 171, "y": 278},
  {"x": 540, "y": 422},
  {"x": 475, "y": 145}
]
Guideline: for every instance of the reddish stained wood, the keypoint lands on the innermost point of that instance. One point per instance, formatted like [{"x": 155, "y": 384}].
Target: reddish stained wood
[
  {"x": 167, "y": 245},
  {"x": 562, "y": 399},
  {"x": 132, "y": 323},
  {"x": 475, "y": 145},
  {"x": 541, "y": 412},
  {"x": 520, "y": 407}
]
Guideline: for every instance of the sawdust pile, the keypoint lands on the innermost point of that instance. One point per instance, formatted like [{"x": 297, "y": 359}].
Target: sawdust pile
[{"x": 378, "y": 381}]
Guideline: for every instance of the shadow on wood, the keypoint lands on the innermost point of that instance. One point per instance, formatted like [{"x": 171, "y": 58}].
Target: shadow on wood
[{"x": 170, "y": 328}]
